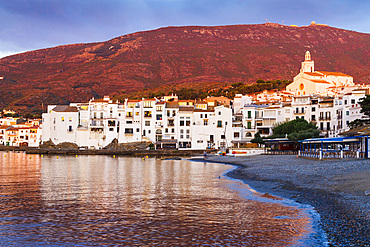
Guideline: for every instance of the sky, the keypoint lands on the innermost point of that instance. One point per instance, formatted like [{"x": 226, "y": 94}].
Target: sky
[{"x": 35, "y": 24}]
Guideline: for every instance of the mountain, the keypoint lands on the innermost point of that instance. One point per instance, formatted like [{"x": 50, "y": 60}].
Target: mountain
[{"x": 176, "y": 57}]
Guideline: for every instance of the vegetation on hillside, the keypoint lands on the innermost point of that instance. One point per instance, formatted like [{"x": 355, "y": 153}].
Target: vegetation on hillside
[{"x": 229, "y": 92}]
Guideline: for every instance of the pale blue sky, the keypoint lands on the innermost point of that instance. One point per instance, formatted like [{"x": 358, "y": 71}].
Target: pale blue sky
[{"x": 34, "y": 24}]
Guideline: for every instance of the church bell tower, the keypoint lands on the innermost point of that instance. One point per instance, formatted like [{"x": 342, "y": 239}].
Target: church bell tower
[{"x": 308, "y": 64}]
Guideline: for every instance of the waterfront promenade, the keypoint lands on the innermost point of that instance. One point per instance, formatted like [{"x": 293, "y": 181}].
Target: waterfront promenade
[{"x": 335, "y": 188}]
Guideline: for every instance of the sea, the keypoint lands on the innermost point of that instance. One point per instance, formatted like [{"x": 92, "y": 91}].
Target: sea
[{"x": 96, "y": 200}]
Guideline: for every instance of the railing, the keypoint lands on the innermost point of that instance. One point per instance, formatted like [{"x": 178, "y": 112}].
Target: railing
[
  {"x": 281, "y": 152},
  {"x": 332, "y": 154},
  {"x": 324, "y": 118}
]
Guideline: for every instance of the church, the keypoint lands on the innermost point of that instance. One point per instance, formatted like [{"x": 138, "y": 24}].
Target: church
[{"x": 309, "y": 81}]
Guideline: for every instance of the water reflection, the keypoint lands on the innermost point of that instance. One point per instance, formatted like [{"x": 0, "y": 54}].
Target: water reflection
[{"x": 100, "y": 200}]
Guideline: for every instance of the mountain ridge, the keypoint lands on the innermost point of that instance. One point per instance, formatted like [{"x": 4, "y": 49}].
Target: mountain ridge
[{"x": 174, "y": 57}]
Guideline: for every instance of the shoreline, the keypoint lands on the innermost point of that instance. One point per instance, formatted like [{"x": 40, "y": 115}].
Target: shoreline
[
  {"x": 335, "y": 188},
  {"x": 118, "y": 152}
]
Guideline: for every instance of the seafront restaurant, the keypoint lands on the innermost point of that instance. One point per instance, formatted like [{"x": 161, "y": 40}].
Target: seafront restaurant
[
  {"x": 336, "y": 147},
  {"x": 281, "y": 146}
]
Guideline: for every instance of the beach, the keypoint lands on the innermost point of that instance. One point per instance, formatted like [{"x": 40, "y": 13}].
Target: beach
[{"x": 335, "y": 188}]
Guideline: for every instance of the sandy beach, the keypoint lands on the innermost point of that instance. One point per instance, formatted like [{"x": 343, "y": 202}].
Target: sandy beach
[{"x": 335, "y": 188}]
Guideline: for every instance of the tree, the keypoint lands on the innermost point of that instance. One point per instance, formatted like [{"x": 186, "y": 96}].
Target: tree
[
  {"x": 365, "y": 105},
  {"x": 365, "y": 109},
  {"x": 297, "y": 129},
  {"x": 257, "y": 138}
]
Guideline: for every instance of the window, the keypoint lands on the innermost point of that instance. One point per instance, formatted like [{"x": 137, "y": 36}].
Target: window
[
  {"x": 205, "y": 122},
  {"x": 159, "y": 108},
  {"x": 187, "y": 131},
  {"x": 181, "y": 131},
  {"x": 147, "y": 114},
  {"x": 101, "y": 115},
  {"x": 347, "y": 113},
  {"x": 248, "y": 134},
  {"x": 219, "y": 113},
  {"x": 70, "y": 119},
  {"x": 249, "y": 125},
  {"x": 219, "y": 124},
  {"x": 249, "y": 114},
  {"x": 328, "y": 125},
  {"x": 172, "y": 130},
  {"x": 187, "y": 136},
  {"x": 182, "y": 123},
  {"x": 313, "y": 109},
  {"x": 111, "y": 123},
  {"x": 69, "y": 128},
  {"x": 62, "y": 119},
  {"x": 181, "y": 136},
  {"x": 353, "y": 101},
  {"x": 171, "y": 123},
  {"x": 313, "y": 118},
  {"x": 187, "y": 122},
  {"x": 236, "y": 134},
  {"x": 129, "y": 131},
  {"x": 345, "y": 102},
  {"x": 165, "y": 130},
  {"x": 147, "y": 123},
  {"x": 149, "y": 131},
  {"x": 137, "y": 130},
  {"x": 128, "y": 114},
  {"x": 159, "y": 117},
  {"x": 173, "y": 113},
  {"x": 205, "y": 115},
  {"x": 201, "y": 115},
  {"x": 321, "y": 126},
  {"x": 168, "y": 113},
  {"x": 111, "y": 129},
  {"x": 223, "y": 137},
  {"x": 136, "y": 113}
]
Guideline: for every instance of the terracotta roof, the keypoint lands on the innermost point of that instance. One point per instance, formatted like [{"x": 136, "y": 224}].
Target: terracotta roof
[
  {"x": 99, "y": 101},
  {"x": 186, "y": 108},
  {"x": 363, "y": 130},
  {"x": 313, "y": 73},
  {"x": 13, "y": 128},
  {"x": 333, "y": 73},
  {"x": 4, "y": 126},
  {"x": 65, "y": 108},
  {"x": 207, "y": 110},
  {"x": 320, "y": 81},
  {"x": 172, "y": 105}
]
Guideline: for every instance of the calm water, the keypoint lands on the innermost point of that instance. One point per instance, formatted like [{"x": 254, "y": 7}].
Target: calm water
[{"x": 101, "y": 200}]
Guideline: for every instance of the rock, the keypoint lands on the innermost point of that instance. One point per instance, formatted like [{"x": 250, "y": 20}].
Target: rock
[
  {"x": 67, "y": 145},
  {"x": 47, "y": 144}
]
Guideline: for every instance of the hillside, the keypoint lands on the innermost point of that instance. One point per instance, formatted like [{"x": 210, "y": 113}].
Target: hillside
[{"x": 175, "y": 57}]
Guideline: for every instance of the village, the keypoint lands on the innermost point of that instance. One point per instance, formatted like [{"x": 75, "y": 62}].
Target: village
[{"x": 328, "y": 99}]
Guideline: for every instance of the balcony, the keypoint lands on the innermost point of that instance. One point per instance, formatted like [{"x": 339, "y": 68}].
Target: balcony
[
  {"x": 324, "y": 118},
  {"x": 97, "y": 125},
  {"x": 299, "y": 112}
]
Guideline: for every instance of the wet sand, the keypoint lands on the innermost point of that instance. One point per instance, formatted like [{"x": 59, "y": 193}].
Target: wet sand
[{"x": 335, "y": 188}]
